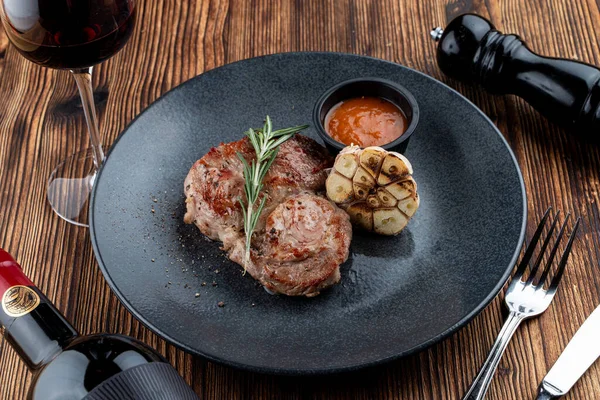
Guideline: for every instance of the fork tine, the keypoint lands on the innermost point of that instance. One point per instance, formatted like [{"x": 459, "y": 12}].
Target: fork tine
[
  {"x": 531, "y": 247},
  {"x": 563, "y": 260},
  {"x": 547, "y": 239},
  {"x": 553, "y": 253}
]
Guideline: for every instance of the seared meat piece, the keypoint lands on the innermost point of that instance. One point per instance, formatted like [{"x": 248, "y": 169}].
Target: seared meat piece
[
  {"x": 306, "y": 240},
  {"x": 300, "y": 239},
  {"x": 215, "y": 183}
]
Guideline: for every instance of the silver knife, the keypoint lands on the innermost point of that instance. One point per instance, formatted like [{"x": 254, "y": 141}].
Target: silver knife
[{"x": 578, "y": 356}]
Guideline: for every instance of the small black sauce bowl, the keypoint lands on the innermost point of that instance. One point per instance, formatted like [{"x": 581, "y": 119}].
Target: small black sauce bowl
[{"x": 371, "y": 87}]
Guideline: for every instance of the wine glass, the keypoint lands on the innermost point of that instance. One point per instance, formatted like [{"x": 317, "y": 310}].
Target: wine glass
[{"x": 73, "y": 35}]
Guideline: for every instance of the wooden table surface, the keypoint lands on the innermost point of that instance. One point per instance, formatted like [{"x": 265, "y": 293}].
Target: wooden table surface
[{"x": 42, "y": 122}]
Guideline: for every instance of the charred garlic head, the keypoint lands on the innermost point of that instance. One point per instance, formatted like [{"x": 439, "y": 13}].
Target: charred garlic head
[{"x": 375, "y": 187}]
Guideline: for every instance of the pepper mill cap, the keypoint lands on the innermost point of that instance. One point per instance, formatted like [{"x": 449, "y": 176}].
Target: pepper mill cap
[{"x": 459, "y": 42}]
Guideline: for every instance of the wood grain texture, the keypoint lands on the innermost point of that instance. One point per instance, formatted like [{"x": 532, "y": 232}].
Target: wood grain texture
[{"x": 41, "y": 122}]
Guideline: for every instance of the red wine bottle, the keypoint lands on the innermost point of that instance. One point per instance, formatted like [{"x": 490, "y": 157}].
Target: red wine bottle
[{"x": 67, "y": 366}]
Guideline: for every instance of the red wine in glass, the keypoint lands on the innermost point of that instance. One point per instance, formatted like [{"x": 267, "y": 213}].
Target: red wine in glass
[
  {"x": 73, "y": 35},
  {"x": 68, "y": 34}
]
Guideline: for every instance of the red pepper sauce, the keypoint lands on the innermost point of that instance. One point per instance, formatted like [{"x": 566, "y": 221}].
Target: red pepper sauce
[{"x": 365, "y": 121}]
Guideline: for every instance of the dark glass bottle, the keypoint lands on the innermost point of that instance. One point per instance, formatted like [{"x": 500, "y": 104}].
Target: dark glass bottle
[{"x": 69, "y": 367}]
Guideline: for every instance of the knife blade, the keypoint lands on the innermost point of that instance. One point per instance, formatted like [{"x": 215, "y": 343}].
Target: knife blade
[{"x": 578, "y": 356}]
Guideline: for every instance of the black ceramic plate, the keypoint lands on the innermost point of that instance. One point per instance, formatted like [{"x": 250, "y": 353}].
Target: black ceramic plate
[{"x": 397, "y": 295}]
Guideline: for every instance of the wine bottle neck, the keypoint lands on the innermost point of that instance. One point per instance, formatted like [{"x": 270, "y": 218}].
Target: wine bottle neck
[{"x": 32, "y": 325}]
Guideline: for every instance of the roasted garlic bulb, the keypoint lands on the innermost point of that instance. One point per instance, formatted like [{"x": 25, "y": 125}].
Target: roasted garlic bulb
[{"x": 375, "y": 187}]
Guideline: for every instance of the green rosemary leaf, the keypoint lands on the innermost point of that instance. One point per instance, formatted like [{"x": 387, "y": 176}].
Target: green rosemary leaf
[
  {"x": 258, "y": 211},
  {"x": 282, "y": 139},
  {"x": 253, "y": 139},
  {"x": 271, "y": 159},
  {"x": 293, "y": 129},
  {"x": 248, "y": 197},
  {"x": 243, "y": 208},
  {"x": 243, "y": 160}
]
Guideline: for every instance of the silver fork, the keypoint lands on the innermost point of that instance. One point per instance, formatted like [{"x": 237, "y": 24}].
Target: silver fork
[{"x": 524, "y": 299}]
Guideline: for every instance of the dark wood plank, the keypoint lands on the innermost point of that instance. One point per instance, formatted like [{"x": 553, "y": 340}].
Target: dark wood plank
[{"x": 41, "y": 122}]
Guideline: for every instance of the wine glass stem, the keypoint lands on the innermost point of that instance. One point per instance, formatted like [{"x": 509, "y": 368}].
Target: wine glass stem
[{"x": 83, "y": 77}]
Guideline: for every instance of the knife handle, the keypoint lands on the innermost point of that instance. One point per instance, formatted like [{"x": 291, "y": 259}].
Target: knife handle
[
  {"x": 565, "y": 91},
  {"x": 544, "y": 394}
]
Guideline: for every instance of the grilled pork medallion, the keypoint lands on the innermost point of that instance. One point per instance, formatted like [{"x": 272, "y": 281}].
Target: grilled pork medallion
[{"x": 301, "y": 238}]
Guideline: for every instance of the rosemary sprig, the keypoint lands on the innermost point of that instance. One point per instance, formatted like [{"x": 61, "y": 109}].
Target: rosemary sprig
[{"x": 266, "y": 144}]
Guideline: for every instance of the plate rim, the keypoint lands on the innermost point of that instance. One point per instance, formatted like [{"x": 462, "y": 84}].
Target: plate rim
[{"x": 314, "y": 371}]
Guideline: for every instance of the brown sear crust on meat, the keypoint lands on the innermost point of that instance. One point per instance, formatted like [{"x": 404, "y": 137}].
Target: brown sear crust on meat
[
  {"x": 306, "y": 240},
  {"x": 301, "y": 238},
  {"x": 215, "y": 183}
]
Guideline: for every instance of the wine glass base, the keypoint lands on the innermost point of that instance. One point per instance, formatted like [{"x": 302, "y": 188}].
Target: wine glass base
[{"x": 70, "y": 185}]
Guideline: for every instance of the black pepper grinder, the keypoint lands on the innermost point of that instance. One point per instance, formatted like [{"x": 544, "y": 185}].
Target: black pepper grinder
[{"x": 565, "y": 91}]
